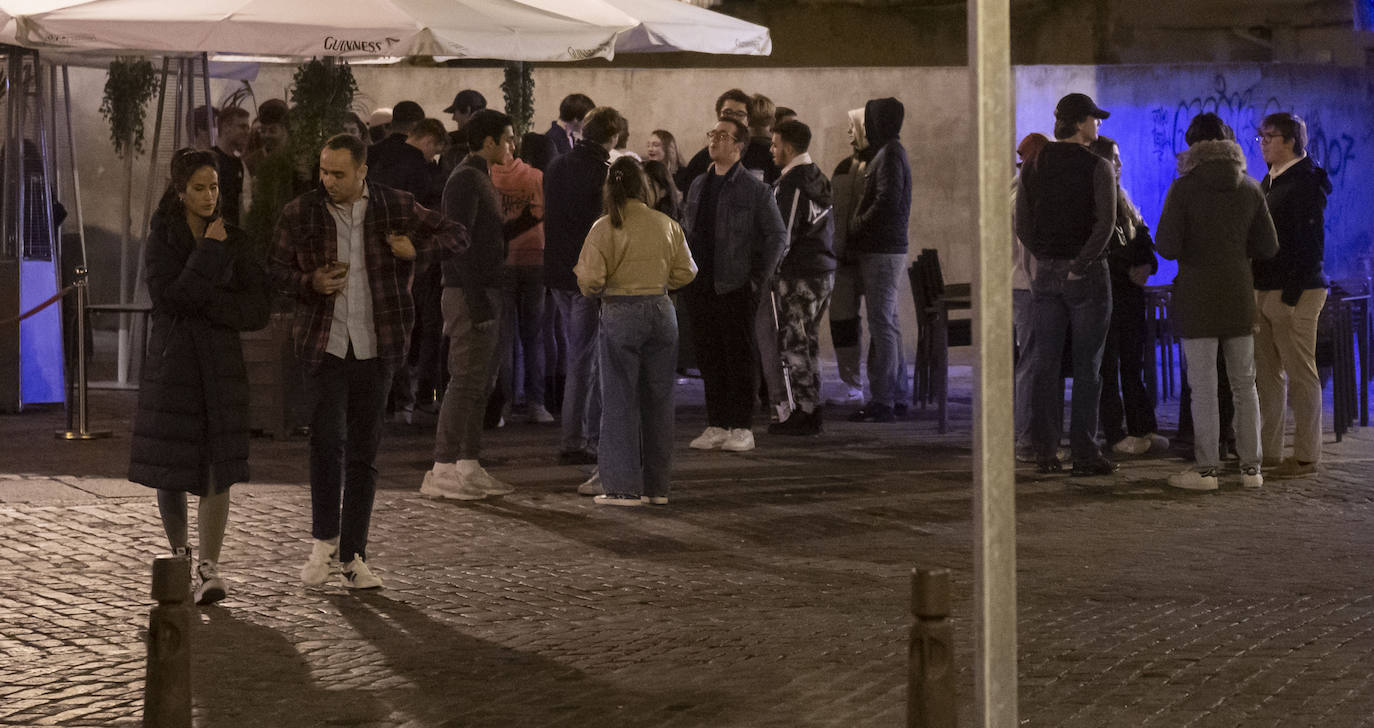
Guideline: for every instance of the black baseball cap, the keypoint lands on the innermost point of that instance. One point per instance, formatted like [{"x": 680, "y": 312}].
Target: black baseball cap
[
  {"x": 467, "y": 99},
  {"x": 1077, "y": 106}
]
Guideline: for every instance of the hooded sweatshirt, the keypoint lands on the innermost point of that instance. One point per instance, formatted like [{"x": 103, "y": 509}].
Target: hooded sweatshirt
[
  {"x": 880, "y": 220},
  {"x": 522, "y": 203},
  {"x": 803, "y": 195},
  {"x": 1215, "y": 221},
  {"x": 1297, "y": 202}
]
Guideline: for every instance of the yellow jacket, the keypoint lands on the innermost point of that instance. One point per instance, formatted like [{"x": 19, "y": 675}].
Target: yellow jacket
[{"x": 646, "y": 256}]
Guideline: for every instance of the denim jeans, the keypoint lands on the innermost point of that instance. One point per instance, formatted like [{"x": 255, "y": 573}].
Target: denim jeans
[
  {"x": 880, "y": 273},
  {"x": 345, "y": 431},
  {"x": 638, "y": 355},
  {"x": 1082, "y": 306},
  {"x": 1201, "y": 355},
  {"x": 522, "y": 331},
  {"x": 581, "y": 395},
  {"x": 472, "y": 368}
]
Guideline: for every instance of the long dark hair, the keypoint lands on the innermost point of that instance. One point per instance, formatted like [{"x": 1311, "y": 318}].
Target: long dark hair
[
  {"x": 672, "y": 156},
  {"x": 657, "y": 172},
  {"x": 185, "y": 163},
  {"x": 624, "y": 182},
  {"x": 1127, "y": 216}
]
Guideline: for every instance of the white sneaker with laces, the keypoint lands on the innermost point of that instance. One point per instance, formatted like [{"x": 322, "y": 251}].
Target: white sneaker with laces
[
  {"x": 852, "y": 395},
  {"x": 317, "y": 567},
  {"x": 211, "y": 587},
  {"x": 443, "y": 481},
  {"x": 739, "y": 440},
  {"x": 539, "y": 415},
  {"x": 710, "y": 439},
  {"x": 1250, "y": 477},
  {"x": 1194, "y": 480},
  {"x": 592, "y": 485},
  {"x": 472, "y": 473},
  {"x": 356, "y": 575}
]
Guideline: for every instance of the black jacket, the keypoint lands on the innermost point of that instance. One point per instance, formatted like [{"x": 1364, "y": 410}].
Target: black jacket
[
  {"x": 756, "y": 157},
  {"x": 403, "y": 167},
  {"x": 572, "y": 202},
  {"x": 1297, "y": 202},
  {"x": 880, "y": 219},
  {"x": 193, "y": 398},
  {"x": 471, "y": 200},
  {"x": 1123, "y": 255},
  {"x": 804, "y": 200}
]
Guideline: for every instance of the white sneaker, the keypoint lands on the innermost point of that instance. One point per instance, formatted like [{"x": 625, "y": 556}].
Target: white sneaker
[
  {"x": 541, "y": 416},
  {"x": 1194, "y": 480},
  {"x": 1131, "y": 445},
  {"x": 475, "y": 476},
  {"x": 356, "y": 575},
  {"x": 658, "y": 500},
  {"x": 852, "y": 395},
  {"x": 211, "y": 587},
  {"x": 317, "y": 567},
  {"x": 1158, "y": 442},
  {"x": 739, "y": 440},
  {"x": 592, "y": 485},
  {"x": 444, "y": 482},
  {"x": 1250, "y": 477},
  {"x": 710, "y": 439},
  {"x": 618, "y": 500}
]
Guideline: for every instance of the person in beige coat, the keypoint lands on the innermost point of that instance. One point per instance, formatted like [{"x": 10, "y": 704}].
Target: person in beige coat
[{"x": 631, "y": 259}]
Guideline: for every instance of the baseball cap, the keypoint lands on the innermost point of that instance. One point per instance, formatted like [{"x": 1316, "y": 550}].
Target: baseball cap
[
  {"x": 467, "y": 99},
  {"x": 1077, "y": 106}
]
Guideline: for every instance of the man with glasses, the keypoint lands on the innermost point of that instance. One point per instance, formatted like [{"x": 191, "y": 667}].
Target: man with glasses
[
  {"x": 1290, "y": 290},
  {"x": 736, "y": 235},
  {"x": 1065, "y": 212},
  {"x": 733, "y": 104}
]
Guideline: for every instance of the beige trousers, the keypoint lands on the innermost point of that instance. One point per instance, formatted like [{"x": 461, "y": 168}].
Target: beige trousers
[{"x": 1286, "y": 372}]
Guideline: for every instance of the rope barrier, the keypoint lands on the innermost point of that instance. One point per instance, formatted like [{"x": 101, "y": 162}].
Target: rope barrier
[{"x": 53, "y": 299}]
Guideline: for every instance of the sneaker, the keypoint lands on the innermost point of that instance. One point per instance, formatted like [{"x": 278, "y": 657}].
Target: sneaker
[
  {"x": 738, "y": 440},
  {"x": 1191, "y": 479},
  {"x": 356, "y": 575},
  {"x": 710, "y": 439},
  {"x": 592, "y": 485},
  {"x": 1131, "y": 445},
  {"x": 540, "y": 416},
  {"x": 658, "y": 500},
  {"x": 873, "y": 412},
  {"x": 1291, "y": 469},
  {"x": 484, "y": 481},
  {"x": 1158, "y": 442},
  {"x": 1250, "y": 477},
  {"x": 852, "y": 395},
  {"x": 1094, "y": 466},
  {"x": 211, "y": 587},
  {"x": 618, "y": 500},
  {"x": 800, "y": 423},
  {"x": 444, "y": 482},
  {"x": 317, "y": 567}
]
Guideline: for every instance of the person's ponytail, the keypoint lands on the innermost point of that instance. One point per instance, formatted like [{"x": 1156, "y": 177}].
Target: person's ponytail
[{"x": 624, "y": 182}]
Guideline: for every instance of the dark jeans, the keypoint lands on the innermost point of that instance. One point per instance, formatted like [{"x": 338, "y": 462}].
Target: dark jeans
[
  {"x": 1123, "y": 358},
  {"x": 427, "y": 350},
  {"x": 349, "y": 398},
  {"x": 722, "y": 335},
  {"x": 1083, "y": 306}
]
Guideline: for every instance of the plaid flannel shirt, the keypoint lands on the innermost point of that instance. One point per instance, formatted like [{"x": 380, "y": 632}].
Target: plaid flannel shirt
[{"x": 306, "y": 238}]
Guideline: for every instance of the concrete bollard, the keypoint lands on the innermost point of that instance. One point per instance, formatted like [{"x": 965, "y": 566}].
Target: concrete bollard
[
  {"x": 930, "y": 677},
  {"x": 167, "y": 689}
]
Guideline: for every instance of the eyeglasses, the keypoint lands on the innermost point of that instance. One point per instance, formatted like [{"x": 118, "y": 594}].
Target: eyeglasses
[
  {"x": 1262, "y": 138},
  {"x": 719, "y": 136}
]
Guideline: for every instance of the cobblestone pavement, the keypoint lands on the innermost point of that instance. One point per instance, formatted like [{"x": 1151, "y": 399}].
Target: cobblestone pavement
[{"x": 772, "y": 592}]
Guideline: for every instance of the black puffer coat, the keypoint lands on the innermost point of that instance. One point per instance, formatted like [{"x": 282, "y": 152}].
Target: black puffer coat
[{"x": 193, "y": 399}]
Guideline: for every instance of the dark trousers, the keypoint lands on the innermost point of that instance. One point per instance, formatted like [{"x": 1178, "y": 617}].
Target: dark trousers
[
  {"x": 722, "y": 336},
  {"x": 1081, "y": 306},
  {"x": 1124, "y": 397},
  {"x": 350, "y": 397},
  {"x": 427, "y": 351}
]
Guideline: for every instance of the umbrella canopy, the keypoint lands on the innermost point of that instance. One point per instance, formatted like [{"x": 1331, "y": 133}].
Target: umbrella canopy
[{"x": 525, "y": 30}]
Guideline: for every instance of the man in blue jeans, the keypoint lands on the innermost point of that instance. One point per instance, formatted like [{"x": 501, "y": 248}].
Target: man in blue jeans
[{"x": 1065, "y": 210}]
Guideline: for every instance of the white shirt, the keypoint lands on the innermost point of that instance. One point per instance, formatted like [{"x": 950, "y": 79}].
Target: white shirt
[
  {"x": 353, "y": 303},
  {"x": 1280, "y": 169}
]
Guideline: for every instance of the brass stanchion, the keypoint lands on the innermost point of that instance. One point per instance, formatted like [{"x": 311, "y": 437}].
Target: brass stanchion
[{"x": 82, "y": 431}]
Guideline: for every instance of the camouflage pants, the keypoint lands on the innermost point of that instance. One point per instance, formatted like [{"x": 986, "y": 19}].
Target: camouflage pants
[{"x": 802, "y": 303}]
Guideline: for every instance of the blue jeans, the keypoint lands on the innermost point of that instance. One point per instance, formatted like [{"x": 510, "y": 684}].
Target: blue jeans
[
  {"x": 880, "y": 273},
  {"x": 1062, "y": 305},
  {"x": 638, "y": 356},
  {"x": 1201, "y": 355},
  {"x": 345, "y": 431},
  {"x": 581, "y": 396}
]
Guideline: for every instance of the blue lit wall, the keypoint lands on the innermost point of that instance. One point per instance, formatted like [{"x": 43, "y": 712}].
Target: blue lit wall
[
  {"x": 40, "y": 335},
  {"x": 1152, "y": 105}
]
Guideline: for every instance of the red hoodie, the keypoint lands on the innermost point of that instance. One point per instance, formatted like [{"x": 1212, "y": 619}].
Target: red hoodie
[{"x": 522, "y": 188}]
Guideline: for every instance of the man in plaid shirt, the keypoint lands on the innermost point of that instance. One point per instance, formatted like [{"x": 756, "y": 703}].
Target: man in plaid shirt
[{"x": 346, "y": 251}]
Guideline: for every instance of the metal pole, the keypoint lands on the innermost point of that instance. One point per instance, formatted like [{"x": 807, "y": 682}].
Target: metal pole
[
  {"x": 209, "y": 110},
  {"x": 153, "y": 176},
  {"x": 994, "y": 465},
  {"x": 76, "y": 177},
  {"x": 83, "y": 431}
]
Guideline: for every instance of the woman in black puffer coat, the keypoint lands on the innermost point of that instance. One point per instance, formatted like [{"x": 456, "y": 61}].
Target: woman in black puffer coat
[{"x": 191, "y": 427}]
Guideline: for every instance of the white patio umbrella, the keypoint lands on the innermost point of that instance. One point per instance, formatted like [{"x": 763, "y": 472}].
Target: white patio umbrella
[{"x": 520, "y": 30}]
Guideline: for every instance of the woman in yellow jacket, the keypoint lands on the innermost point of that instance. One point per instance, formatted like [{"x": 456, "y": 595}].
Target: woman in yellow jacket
[{"x": 630, "y": 260}]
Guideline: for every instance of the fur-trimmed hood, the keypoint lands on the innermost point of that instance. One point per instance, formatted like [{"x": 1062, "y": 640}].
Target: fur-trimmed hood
[{"x": 1219, "y": 163}]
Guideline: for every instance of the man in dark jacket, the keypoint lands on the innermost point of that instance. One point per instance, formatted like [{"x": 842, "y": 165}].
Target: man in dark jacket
[
  {"x": 471, "y": 304},
  {"x": 878, "y": 240},
  {"x": 465, "y": 103},
  {"x": 737, "y": 237},
  {"x": 230, "y": 144},
  {"x": 567, "y": 128},
  {"x": 346, "y": 251},
  {"x": 734, "y": 105},
  {"x": 393, "y": 150},
  {"x": 807, "y": 274},
  {"x": 1065, "y": 213},
  {"x": 1290, "y": 290},
  {"x": 572, "y": 202}
]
